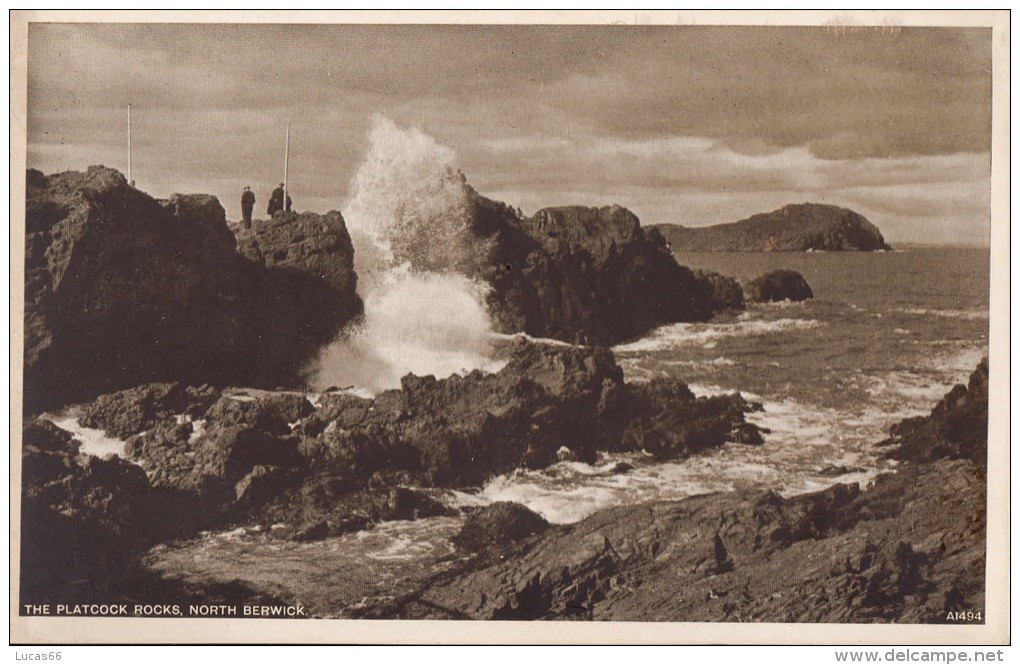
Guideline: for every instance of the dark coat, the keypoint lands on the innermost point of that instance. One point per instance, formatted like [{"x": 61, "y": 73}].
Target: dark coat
[{"x": 275, "y": 201}]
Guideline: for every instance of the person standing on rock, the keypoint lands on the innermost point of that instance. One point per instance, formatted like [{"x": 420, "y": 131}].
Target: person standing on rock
[
  {"x": 247, "y": 205},
  {"x": 276, "y": 201}
]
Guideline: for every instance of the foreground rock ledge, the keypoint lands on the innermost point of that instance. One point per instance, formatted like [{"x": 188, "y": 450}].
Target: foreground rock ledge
[{"x": 909, "y": 549}]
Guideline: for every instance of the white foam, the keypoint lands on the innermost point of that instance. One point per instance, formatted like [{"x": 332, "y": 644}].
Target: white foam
[
  {"x": 93, "y": 441},
  {"x": 416, "y": 321},
  {"x": 966, "y": 314},
  {"x": 707, "y": 334},
  {"x": 535, "y": 340}
]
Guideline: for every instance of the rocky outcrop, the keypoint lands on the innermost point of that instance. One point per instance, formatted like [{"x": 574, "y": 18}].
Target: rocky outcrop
[
  {"x": 306, "y": 242},
  {"x": 80, "y": 514},
  {"x": 777, "y": 286},
  {"x": 499, "y": 527},
  {"x": 792, "y": 228},
  {"x": 957, "y": 428},
  {"x": 727, "y": 294},
  {"x": 589, "y": 275},
  {"x": 273, "y": 458},
  {"x": 128, "y": 412},
  {"x": 122, "y": 289},
  {"x": 910, "y": 548}
]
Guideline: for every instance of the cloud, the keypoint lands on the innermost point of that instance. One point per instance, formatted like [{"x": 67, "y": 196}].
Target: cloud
[{"x": 679, "y": 123}]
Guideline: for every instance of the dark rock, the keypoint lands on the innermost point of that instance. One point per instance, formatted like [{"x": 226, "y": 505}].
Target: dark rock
[
  {"x": 263, "y": 484},
  {"x": 271, "y": 458},
  {"x": 792, "y": 228},
  {"x": 318, "y": 245},
  {"x": 499, "y": 526},
  {"x": 777, "y": 286},
  {"x": 910, "y": 548},
  {"x": 271, "y": 412},
  {"x": 47, "y": 437},
  {"x": 957, "y": 428},
  {"x": 128, "y": 412},
  {"x": 121, "y": 289},
  {"x": 669, "y": 422},
  {"x": 727, "y": 294},
  {"x": 834, "y": 471},
  {"x": 313, "y": 532},
  {"x": 410, "y": 504},
  {"x": 582, "y": 275},
  {"x": 752, "y": 556},
  {"x": 80, "y": 515}
]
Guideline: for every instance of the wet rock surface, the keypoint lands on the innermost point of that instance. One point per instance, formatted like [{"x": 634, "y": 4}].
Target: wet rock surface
[
  {"x": 910, "y": 548},
  {"x": 957, "y": 428},
  {"x": 128, "y": 412},
  {"x": 577, "y": 274},
  {"x": 121, "y": 288},
  {"x": 270, "y": 457},
  {"x": 891, "y": 553},
  {"x": 777, "y": 286},
  {"x": 727, "y": 294}
]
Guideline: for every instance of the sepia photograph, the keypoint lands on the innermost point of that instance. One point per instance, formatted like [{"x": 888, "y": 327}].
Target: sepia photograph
[{"x": 433, "y": 322}]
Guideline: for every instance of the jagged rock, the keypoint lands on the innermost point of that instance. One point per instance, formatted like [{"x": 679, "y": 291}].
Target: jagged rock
[
  {"x": 271, "y": 412},
  {"x": 742, "y": 556},
  {"x": 588, "y": 275},
  {"x": 669, "y": 421},
  {"x": 354, "y": 454},
  {"x": 910, "y": 548},
  {"x": 727, "y": 294},
  {"x": 957, "y": 428},
  {"x": 777, "y": 286},
  {"x": 410, "y": 504},
  {"x": 312, "y": 532},
  {"x": 128, "y": 412},
  {"x": 122, "y": 289},
  {"x": 80, "y": 515},
  {"x": 792, "y": 228},
  {"x": 262, "y": 484},
  {"x": 315, "y": 244}
]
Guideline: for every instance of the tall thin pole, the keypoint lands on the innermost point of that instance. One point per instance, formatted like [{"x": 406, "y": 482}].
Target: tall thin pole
[
  {"x": 130, "y": 181},
  {"x": 286, "y": 166}
]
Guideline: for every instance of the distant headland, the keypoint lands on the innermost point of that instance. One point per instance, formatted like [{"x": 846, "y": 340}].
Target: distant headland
[{"x": 793, "y": 228}]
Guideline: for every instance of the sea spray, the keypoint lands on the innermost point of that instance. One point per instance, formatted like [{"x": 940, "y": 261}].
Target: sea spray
[{"x": 409, "y": 219}]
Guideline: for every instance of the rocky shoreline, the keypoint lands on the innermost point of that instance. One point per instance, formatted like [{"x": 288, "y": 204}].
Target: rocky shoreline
[
  {"x": 123, "y": 289},
  {"x": 188, "y": 339},
  {"x": 909, "y": 548}
]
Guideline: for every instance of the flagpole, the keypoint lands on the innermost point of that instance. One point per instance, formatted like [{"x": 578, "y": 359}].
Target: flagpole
[
  {"x": 130, "y": 181},
  {"x": 286, "y": 166}
]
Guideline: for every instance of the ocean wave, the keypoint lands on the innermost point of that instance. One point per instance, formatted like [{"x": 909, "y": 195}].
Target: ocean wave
[
  {"x": 706, "y": 334},
  {"x": 966, "y": 314},
  {"x": 548, "y": 341}
]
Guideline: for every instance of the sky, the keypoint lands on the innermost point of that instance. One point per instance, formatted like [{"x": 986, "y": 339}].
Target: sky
[{"x": 680, "y": 124}]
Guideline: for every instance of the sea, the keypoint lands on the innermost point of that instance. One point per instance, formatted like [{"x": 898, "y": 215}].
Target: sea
[{"x": 885, "y": 337}]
